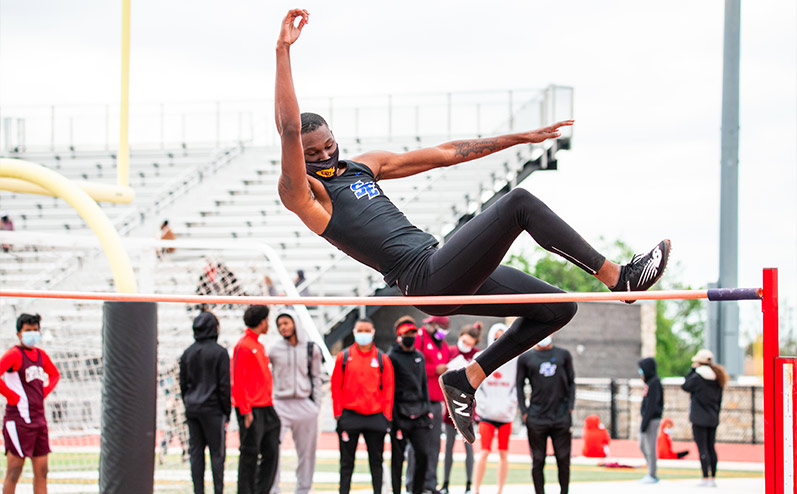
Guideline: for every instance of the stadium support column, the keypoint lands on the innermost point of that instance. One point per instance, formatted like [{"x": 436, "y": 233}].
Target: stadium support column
[
  {"x": 127, "y": 435},
  {"x": 728, "y": 351}
]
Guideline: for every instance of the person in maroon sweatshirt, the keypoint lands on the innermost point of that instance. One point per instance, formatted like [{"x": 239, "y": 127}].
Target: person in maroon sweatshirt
[
  {"x": 25, "y": 434},
  {"x": 362, "y": 388},
  {"x": 258, "y": 423}
]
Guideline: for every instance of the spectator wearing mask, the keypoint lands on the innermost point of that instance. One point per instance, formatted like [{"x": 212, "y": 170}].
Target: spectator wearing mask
[
  {"x": 549, "y": 370},
  {"x": 362, "y": 401},
  {"x": 205, "y": 389},
  {"x": 705, "y": 383},
  {"x": 412, "y": 410},
  {"x": 431, "y": 342},
  {"x": 461, "y": 355},
  {"x": 596, "y": 438},
  {"x": 167, "y": 234},
  {"x": 298, "y": 389},
  {"x": 664, "y": 449},
  {"x": 651, "y": 410},
  {"x": 496, "y": 406},
  {"x": 258, "y": 424}
]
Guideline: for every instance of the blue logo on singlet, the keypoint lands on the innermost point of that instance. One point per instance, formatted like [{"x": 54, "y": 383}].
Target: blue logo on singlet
[{"x": 361, "y": 189}]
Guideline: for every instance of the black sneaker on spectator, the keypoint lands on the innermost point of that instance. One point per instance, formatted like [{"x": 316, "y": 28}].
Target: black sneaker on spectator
[{"x": 643, "y": 270}]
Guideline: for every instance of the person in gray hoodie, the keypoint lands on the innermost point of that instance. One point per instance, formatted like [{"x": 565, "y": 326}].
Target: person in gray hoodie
[
  {"x": 205, "y": 388},
  {"x": 296, "y": 367}
]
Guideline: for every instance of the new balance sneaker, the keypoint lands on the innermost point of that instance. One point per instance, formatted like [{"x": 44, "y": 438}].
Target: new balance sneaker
[
  {"x": 643, "y": 270},
  {"x": 460, "y": 404}
]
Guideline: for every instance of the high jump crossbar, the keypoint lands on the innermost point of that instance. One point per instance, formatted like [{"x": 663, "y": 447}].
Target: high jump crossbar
[{"x": 714, "y": 294}]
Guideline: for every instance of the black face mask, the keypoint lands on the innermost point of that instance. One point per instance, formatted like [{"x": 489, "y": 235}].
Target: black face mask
[
  {"x": 324, "y": 169},
  {"x": 408, "y": 341}
]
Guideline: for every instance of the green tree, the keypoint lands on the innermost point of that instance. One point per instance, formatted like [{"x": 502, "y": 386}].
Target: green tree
[{"x": 679, "y": 323}]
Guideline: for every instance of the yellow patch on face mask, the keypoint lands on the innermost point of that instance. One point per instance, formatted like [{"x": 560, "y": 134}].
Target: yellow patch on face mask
[{"x": 326, "y": 173}]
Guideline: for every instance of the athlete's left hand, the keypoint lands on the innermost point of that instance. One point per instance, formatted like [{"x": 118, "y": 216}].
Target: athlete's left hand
[{"x": 550, "y": 132}]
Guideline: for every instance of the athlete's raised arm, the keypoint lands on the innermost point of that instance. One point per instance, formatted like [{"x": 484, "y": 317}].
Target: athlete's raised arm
[
  {"x": 294, "y": 190},
  {"x": 386, "y": 165}
]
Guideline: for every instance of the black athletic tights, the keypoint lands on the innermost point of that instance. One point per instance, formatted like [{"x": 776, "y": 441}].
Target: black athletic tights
[
  {"x": 705, "y": 437},
  {"x": 469, "y": 264}
]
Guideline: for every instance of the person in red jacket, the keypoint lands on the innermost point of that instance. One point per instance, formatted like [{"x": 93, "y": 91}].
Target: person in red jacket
[
  {"x": 362, "y": 401},
  {"x": 664, "y": 442},
  {"x": 596, "y": 438},
  {"x": 258, "y": 423},
  {"x": 24, "y": 368}
]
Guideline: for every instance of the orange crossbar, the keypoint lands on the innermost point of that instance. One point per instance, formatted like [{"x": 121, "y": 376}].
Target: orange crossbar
[{"x": 530, "y": 298}]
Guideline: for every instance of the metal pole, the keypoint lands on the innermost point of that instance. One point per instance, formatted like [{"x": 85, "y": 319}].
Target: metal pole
[
  {"x": 769, "y": 307},
  {"x": 511, "y": 112},
  {"x": 730, "y": 353}
]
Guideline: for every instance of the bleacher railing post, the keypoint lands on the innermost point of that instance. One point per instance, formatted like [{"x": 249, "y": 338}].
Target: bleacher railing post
[{"x": 769, "y": 307}]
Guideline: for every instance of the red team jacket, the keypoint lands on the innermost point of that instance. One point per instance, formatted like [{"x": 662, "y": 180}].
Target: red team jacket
[
  {"x": 358, "y": 390},
  {"x": 26, "y": 393},
  {"x": 250, "y": 375}
]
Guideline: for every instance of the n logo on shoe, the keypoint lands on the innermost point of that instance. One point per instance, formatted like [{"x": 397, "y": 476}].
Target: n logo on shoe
[
  {"x": 460, "y": 408},
  {"x": 651, "y": 267}
]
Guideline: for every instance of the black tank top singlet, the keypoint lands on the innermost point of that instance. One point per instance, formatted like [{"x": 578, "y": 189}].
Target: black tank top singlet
[{"x": 367, "y": 226}]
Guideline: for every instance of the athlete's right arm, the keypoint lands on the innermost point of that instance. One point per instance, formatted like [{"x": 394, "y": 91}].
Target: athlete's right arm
[{"x": 11, "y": 361}]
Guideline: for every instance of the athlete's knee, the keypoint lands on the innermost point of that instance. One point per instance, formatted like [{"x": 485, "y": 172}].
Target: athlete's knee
[
  {"x": 565, "y": 312},
  {"x": 13, "y": 473}
]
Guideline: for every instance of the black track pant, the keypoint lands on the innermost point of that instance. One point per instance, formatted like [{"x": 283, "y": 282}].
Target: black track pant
[
  {"x": 705, "y": 438},
  {"x": 469, "y": 264},
  {"x": 206, "y": 429},
  {"x": 260, "y": 449},
  {"x": 375, "y": 443},
  {"x": 562, "y": 438},
  {"x": 419, "y": 438}
]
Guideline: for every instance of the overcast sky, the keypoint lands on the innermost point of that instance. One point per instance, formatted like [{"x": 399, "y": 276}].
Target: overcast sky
[{"x": 647, "y": 79}]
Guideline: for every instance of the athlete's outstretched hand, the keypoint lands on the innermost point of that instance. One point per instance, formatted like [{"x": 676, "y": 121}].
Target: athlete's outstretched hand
[
  {"x": 550, "y": 132},
  {"x": 290, "y": 32}
]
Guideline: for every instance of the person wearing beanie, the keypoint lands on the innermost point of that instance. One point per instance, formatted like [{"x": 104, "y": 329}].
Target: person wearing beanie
[
  {"x": 298, "y": 389},
  {"x": 431, "y": 342},
  {"x": 596, "y": 438},
  {"x": 549, "y": 371},
  {"x": 496, "y": 406},
  {"x": 412, "y": 410},
  {"x": 705, "y": 383},
  {"x": 205, "y": 389},
  {"x": 651, "y": 410}
]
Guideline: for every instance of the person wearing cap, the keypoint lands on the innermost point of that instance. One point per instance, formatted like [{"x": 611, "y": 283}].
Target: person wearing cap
[
  {"x": 258, "y": 424},
  {"x": 496, "y": 406},
  {"x": 431, "y": 342},
  {"x": 549, "y": 370},
  {"x": 705, "y": 383},
  {"x": 298, "y": 389},
  {"x": 651, "y": 410},
  {"x": 412, "y": 410},
  {"x": 362, "y": 401},
  {"x": 205, "y": 389}
]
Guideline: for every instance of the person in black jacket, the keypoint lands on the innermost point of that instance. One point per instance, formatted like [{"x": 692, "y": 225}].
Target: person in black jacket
[
  {"x": 705, "y": 383},
  {"x": 205, "y": 388},
  {"x": 412, "y": 410},
  {"x": 651, "y": 410},
  {"x": 549, "y": 370}
]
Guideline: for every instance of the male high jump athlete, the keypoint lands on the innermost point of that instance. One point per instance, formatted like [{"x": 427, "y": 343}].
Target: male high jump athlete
[{"x": 342, "y": 202}]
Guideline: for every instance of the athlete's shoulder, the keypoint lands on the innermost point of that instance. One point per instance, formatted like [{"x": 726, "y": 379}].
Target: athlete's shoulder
[{"x": 11, "y": 359}]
